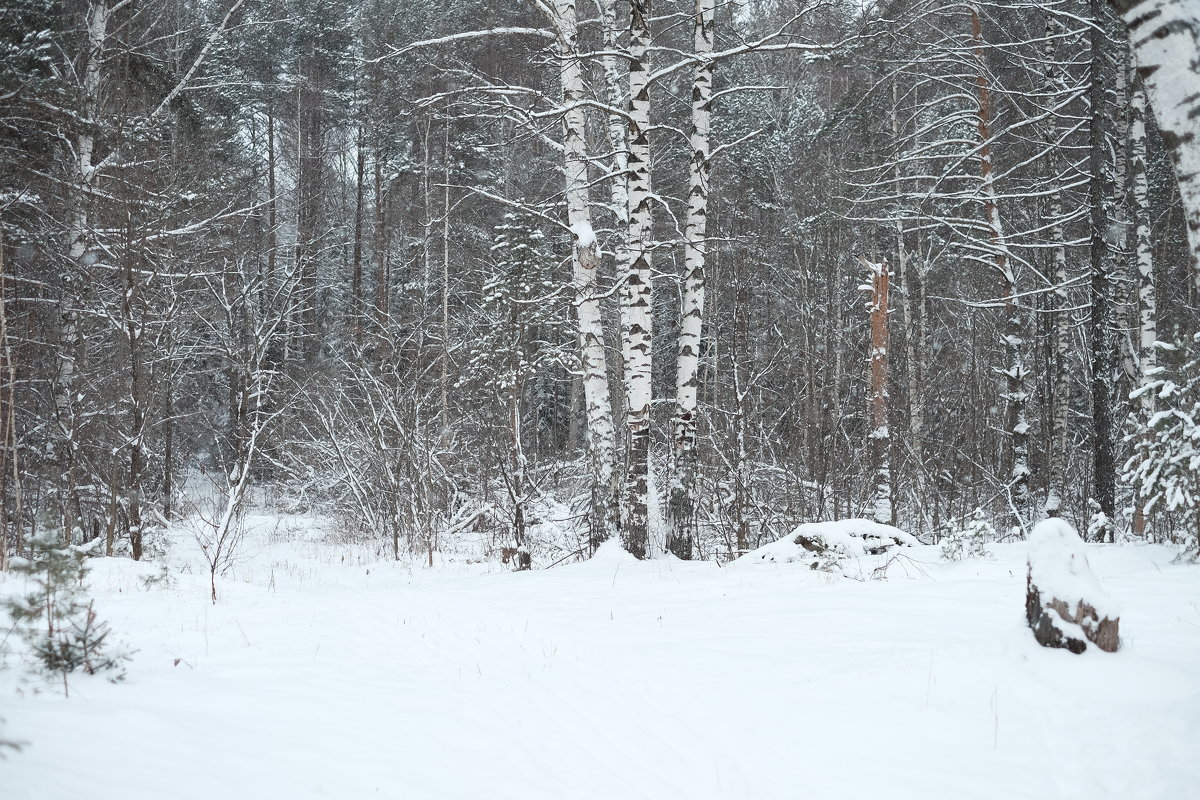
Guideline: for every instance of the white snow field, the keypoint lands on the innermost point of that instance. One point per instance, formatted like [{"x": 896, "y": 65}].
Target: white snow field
[{"x": 327, "y": 671}]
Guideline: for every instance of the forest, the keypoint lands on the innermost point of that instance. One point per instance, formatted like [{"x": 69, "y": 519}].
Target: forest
[
  {"x": 437, "y": 265},
  {"x": 290, "y": 289}
]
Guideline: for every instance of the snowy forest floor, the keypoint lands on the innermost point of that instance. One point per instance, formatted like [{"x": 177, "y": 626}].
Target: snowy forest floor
[{"x": 328, "y": 671}]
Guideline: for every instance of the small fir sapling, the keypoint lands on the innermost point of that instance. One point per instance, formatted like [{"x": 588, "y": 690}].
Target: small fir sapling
[
  {"x": 1100, "y": 527},
  {"x": 968, "y": 541},
  {"x": 55, "y": 617}
]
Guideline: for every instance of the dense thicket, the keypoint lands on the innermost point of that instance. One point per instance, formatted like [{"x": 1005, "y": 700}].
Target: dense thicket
[{"x": 534, "y": 270}]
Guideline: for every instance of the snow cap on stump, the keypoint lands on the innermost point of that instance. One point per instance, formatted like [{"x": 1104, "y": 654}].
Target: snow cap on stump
[{"x": 1064, "y": 603}]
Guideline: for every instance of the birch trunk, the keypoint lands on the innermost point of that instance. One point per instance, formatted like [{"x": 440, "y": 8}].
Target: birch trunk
[
  {"x": 681, "y": 509},
  {"x": 1015, "y": 372},
  {"x": 615, "y": 126},
  {"x": 585, "y": 261},
  {"x": 1165, "y": 37},
  {"x": 1147, "y": 304},
  {"x": 85, "y": 181},
  {"x": 636, "y": 295}
]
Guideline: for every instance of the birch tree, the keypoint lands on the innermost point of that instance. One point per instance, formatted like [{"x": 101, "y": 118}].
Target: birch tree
[
  {"x": 1147, "y": 299},
  {"x": 1165, "y": 37},
  {"x": 636, "y": 298},
  {"x": 681, "y": 508},
  {"x": 585, "y": 262}
]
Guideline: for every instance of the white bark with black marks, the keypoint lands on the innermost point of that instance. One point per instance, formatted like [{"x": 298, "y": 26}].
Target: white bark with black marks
[
  {"x": 1165, "y": 36},
  {"x": 681, "y": 507},
  {"x": 636, "y": 295}
]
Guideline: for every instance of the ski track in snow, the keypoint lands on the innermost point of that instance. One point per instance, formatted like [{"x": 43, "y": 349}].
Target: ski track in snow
[{"x": 318, "y": 677}]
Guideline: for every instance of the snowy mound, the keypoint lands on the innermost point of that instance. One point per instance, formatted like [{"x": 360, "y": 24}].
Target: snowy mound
[
  {"x": 612, "y": 553},
  {"x": 817, "y": 542},
  {"x": 1058, "y": 567}
]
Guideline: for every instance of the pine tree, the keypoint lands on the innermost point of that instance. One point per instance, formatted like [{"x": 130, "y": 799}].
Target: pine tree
[
  {"x": 970, "y": 540},
  {"x": 55, "y": 618},
  {"x": 1164, "y": 469}
]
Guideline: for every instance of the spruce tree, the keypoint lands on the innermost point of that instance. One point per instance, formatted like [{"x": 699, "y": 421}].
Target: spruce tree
[
  {"x": 55, "y": 617},
  {"x": 1164, "y": 469}
]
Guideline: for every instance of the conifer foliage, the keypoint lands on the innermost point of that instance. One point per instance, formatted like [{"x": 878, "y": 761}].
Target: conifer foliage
[
  {"x": 1165, "y": 466},
  {"x": 55, "y": 618}
]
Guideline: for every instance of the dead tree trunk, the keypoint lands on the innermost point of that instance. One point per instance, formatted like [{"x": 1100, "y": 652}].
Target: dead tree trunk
[{"x": 880, "y": 437}]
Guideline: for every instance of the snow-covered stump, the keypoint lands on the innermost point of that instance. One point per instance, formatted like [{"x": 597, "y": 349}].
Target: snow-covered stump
[{"x": 1064, "y": 603}]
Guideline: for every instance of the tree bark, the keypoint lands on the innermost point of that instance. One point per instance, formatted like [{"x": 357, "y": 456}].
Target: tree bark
[
  {"x": 681, "y": 508},
  {"x": 1061, "y": 319},
  {"x": 585, "y": 262},
  {"x": 636, "y": 295},
  {"x": 1165, "y": 37},
  {"x": 880, "y": 438},
  {"x": 1100, "y": 319},
  {"x": 1147, "y": 300},
  {"x": 1013, "y": 335}
]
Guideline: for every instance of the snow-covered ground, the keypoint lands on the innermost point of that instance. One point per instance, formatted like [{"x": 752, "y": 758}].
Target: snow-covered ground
[{"x": 325, "y": 671}]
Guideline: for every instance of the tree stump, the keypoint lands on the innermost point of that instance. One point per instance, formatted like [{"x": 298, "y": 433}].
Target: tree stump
[{"x": 1064, "y": 603}]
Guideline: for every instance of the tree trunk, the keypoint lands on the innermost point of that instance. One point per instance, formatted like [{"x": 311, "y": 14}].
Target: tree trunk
[
  {"x": 1100, "y": 320},
  {"x": 79, "y": 234},
  {"x": 1165, "y": 36},
  {"x": 356, "y": 288},
  {"x": 636, "y": 295},
  {"x": 382, "y": 278},
  {"x": 1061, "y": 318},
  {"x": 681, "y": 508},
  {"x": 1013, "y": 335},
  {"x": 1147, "y": 300},
  {"x": 585, "y": 262},
  {"x": 880, "y": 438}
]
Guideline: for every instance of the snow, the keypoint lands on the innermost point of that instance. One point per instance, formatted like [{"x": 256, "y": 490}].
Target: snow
[
  {"x": 585, "y": 236},
  {"x": 328, "y": 671},
  {"x": 1058, "y": 567},
  {"x": 849, "y": 537}
]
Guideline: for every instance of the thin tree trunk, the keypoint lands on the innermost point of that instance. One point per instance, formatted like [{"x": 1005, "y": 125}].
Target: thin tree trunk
[
  {"x": 272, "y": 211},
  {"x": 681, "y": 508},
  {"x": 1058, "y": 298},
  {"x": 356, "y": 288},
  {"x": 1147, "y": 304},
  {"x": 445, "y": 359},
  {"x": 84, "y": 179},
  {"x": 615, "y": 126},
  {"x": 1100, "y": 321},
  {"x": 585, "y": 262},
  {"x": 382, "y": 279},
  {"x": 134, "y": 329},
  {"x": 636, "y": 295},
  {"x": 1015, "y": 371},
  {"x": 880, "y": 438}
]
